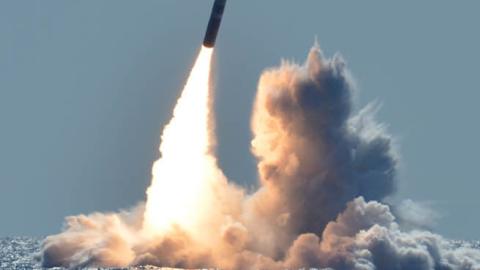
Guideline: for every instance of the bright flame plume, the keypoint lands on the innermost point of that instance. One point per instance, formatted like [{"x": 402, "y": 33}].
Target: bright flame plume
[{"x": 180, "y": 186}]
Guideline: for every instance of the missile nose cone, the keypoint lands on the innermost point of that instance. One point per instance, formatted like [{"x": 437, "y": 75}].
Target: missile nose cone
[{"x": 214, "y": 23}]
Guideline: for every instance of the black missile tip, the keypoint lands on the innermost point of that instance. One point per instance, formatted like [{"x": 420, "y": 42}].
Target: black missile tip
[{"x": 214, "y": 23}]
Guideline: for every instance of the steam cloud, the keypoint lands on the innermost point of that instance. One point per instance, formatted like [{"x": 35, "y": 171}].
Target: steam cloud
[{"x": 324, "y": 173}]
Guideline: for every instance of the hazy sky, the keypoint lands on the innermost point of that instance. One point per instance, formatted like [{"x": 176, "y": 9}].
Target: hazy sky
[{"x": 86, "y": 87}]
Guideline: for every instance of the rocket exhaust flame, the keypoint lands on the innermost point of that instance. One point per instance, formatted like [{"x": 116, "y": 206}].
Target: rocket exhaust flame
[{"x": 185, "y": 142}]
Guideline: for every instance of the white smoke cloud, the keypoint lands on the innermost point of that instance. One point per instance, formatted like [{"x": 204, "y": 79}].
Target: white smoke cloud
[
  {"x": 366, "y": 236},
  {"x": 324, "y": 173}
]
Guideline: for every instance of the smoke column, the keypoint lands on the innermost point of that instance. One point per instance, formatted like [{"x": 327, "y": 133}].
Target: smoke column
[{"x": 324, "y": 173}]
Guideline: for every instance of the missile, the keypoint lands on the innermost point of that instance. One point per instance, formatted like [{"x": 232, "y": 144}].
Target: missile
[{"x": 214, "y": 23}]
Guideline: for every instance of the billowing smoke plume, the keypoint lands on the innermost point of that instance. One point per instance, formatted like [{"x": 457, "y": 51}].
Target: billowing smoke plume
[
  {"x": 313, "y": 157},
  {"x": 324, "y": 173}
]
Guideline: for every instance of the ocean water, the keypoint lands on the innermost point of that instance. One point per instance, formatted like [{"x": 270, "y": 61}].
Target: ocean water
[{"x": 19, "y": 253}]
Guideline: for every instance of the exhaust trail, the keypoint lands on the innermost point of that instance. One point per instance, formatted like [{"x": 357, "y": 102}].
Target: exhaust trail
[{"x": 185, "y": 143}]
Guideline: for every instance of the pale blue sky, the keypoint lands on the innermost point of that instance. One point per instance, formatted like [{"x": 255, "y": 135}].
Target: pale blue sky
[{"x": 86, "y": 86}]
